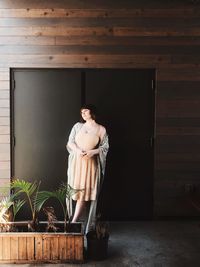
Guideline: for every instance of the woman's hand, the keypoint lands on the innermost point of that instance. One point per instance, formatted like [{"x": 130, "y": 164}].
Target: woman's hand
[
  {"x": 80, "y": 152},
  {"x": 91, "y": 153}
]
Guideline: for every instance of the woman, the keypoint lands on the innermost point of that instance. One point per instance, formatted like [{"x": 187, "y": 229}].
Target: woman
[{"x": 88, "y": 147}]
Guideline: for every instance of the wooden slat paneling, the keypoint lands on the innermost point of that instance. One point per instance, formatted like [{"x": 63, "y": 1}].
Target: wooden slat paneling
[
  {"x": 175, "y": 5},
  {"x": 22, "y": 248},
  {"x": 6, "y": 248},
  {"x": 70, "y": 247},
  {"x": 4, "y": 130},
  {"x": 5, "y": 174},
  {"x": 47, "y": 248},
  {"x": 99, "y": 22},
  {"x": 95, "y": 59},
  {"x": 103, "y": 50},
  {"x": 4, "y": 85},
  {"x": 4, "y": 112},
  {"x": 5, "y": 165},
  {"x": 4, "y": 156},
  {"x": 30, "y": 248},
  {"x": 4, "y": 139},
  {"x": 100, "y": 13},
  {"x": 62, "y": 248},
  {"x": 116, "y": 34},
  {"x": 1, "y": 248},
  {"x": 54, "y": 248},
  {"x": 117, "y": 40},
  {"x": 38, "y": 248},
  {"x": 78, "y": 244},
  {"x": 179, "y": 74}
]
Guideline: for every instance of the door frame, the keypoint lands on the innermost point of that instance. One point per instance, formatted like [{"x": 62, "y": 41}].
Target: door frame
[{"x": 82, "y": 70}]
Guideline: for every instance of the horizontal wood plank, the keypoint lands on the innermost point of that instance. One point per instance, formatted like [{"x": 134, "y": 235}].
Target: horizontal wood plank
[
  {"x": 5, "y": 182},
  {"x": 4, "y": 112},
  {"x": 119, "y": 40},
  {"x": 95, "y": 4},
  {"x": 177, "y": 90},
  {"x": 4, "y": 130},
  {"x": 101, "y": 13},
  {"x": 185, "y": 74},
  {"x": 4, "y": 103},
  {"x": 4, "y": 148},
  {"x": 151, "y": 31},
  {"x": 174, "y": 51},
  {"x": 4, "y": 121},
  {"x": 4, "y": 76},
  {"x": 179, "y": 108},
  {"x": 54, "y": 59},
  {"x": 27, "y": 40},
  {"x": 177, "y": 130},
  {"x": 4, "y": 156},
  {"x": 99, "y": 31},
  {"x": 5, "y": 165},
  {"x": 4, "y": 85},
  {"x": 101, "y": 40},
  {"x": 4, "y": 174},
  {"x": 99, "y": 22},
  {"x": 55, "y": 31},
  {"x": 4, "y": 94}
]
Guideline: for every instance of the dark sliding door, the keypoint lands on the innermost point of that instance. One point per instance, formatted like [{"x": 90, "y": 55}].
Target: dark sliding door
[
  {"x": 45, "y": 108},
  {"x": 45, "y": 105},
  {"x": 125, "y": 101}
]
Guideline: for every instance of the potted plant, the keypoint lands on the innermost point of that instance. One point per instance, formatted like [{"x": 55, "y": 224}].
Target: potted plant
[
  {"x": 97, "y": 240},
  {"x": 62, "y": 195},
  {"x": 35, "y": 246},
  {"x": 29, "y": 191}
]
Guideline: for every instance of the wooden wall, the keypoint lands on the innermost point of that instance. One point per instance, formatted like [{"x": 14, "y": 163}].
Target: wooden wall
[{"x": 119, "y": 34}]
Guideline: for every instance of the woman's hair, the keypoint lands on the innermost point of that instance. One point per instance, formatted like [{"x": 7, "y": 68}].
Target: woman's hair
[{"x": 92, "y": 109}]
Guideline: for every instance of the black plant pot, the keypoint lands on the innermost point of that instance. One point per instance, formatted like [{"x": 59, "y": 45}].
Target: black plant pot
[{"x": 97, "y": 249}]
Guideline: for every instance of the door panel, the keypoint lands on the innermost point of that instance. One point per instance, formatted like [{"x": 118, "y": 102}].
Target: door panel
[
  {"x": 46, "y": 105},
  {"x": 124, "y": 99}
]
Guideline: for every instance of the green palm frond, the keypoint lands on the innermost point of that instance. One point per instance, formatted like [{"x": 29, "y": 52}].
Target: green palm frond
[
  {"x": 64, "y": 191},
  {"x": 17, "y": 206},
  {"x": 68, "y": 190},
  {"x": 31, "y": 191},
  {"x": 42, "y": 197},
  {"x": 24, "y": 187}
]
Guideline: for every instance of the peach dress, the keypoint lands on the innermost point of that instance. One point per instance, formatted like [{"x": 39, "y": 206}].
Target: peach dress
[{"x": 84, "y": 168}]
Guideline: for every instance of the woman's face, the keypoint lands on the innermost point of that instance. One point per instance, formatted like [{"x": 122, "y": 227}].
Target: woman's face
[{"x": 85, "y": 113}]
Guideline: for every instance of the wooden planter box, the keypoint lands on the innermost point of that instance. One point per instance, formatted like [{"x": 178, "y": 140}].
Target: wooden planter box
[{"x": 25, "y": 247}]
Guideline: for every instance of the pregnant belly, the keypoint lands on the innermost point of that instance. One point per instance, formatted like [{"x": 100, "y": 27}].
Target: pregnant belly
[{"x": 87, "y": 141}]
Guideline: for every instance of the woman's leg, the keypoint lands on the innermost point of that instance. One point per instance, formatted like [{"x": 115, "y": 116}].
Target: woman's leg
[{"x": 78, "y": 210}]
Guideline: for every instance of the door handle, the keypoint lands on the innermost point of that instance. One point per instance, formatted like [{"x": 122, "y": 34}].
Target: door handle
[{"x": 151, "y": 141}]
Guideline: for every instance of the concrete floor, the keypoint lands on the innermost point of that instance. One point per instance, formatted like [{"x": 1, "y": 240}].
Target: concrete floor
[{"x": 148, "y": 244}]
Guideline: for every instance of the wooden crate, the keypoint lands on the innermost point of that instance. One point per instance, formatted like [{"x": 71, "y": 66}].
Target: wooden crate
[{"x": 41, "y": 247}]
